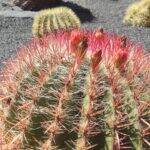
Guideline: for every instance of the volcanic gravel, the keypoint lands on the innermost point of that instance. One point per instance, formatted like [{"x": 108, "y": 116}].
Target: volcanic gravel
[{"x": 15, "y": 24}]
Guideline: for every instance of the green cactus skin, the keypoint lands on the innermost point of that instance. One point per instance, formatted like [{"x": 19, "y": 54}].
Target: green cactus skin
[
  {"x": 50, "y": 20},
  {"x": 75, "y": 100}
]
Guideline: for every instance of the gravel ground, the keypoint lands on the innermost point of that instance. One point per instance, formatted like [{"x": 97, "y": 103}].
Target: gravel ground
[{"x": 15, "y": 25}]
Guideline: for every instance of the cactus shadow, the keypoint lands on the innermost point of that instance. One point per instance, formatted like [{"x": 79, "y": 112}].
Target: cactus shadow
[{"x": 84, "y": 14}]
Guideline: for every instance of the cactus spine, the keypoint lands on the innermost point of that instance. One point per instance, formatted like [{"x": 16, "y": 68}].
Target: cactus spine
[
  {"x": 84, "y": 90},
  {"x": 50, "y": 20}
]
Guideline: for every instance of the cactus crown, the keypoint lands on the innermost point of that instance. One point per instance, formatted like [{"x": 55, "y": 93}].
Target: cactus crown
[
  {"x": 138, "y": 14},
  {"x": 50, "y": 20},
  {"x": 84, "y": 90}
]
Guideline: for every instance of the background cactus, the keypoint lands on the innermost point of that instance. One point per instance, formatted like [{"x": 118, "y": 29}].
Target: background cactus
[
  {"x": 53, "y": 19},
  {"x": 34, "y": 4},
  {"x": 84, "y": 90},
  {"x": 138, "y": 14}
]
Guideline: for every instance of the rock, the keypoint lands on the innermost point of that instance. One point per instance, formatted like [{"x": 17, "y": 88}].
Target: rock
[{"x": 34, "y": 4}]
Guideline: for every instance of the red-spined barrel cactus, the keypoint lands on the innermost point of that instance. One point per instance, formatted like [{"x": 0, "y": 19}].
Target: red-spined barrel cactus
[{"x": 80, "y": 90}]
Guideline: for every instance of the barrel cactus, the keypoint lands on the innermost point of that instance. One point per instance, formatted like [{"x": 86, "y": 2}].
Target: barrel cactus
[
  {"x": 80, "y": 90},
  {"x": 138, "y": 14},
  {"x": 34, "y": 4},
  {"x": 50, "y": 20}
]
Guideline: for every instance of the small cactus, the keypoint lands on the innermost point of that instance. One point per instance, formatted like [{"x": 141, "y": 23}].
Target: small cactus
[
  {"x": 80, "y": 90},
  {"x": 34, "y": 4},
  {"x": 50, "y": 20},
  {"x": 138, "y": 14}
]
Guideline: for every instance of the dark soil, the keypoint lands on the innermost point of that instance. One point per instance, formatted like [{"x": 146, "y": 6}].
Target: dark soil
[{"x": 15, "y": 24}]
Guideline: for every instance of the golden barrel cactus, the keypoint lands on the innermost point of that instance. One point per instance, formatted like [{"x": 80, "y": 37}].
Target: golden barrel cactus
[
  {"x": 50, "y": 20},
  {"x": 138, "y": 14}
]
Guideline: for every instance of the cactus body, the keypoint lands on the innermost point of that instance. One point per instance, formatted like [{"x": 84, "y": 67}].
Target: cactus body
[
  {"x": 50, "y": 20},
  {"x": 84, "y": 90},
  {"x": 138, "y": 14}
]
